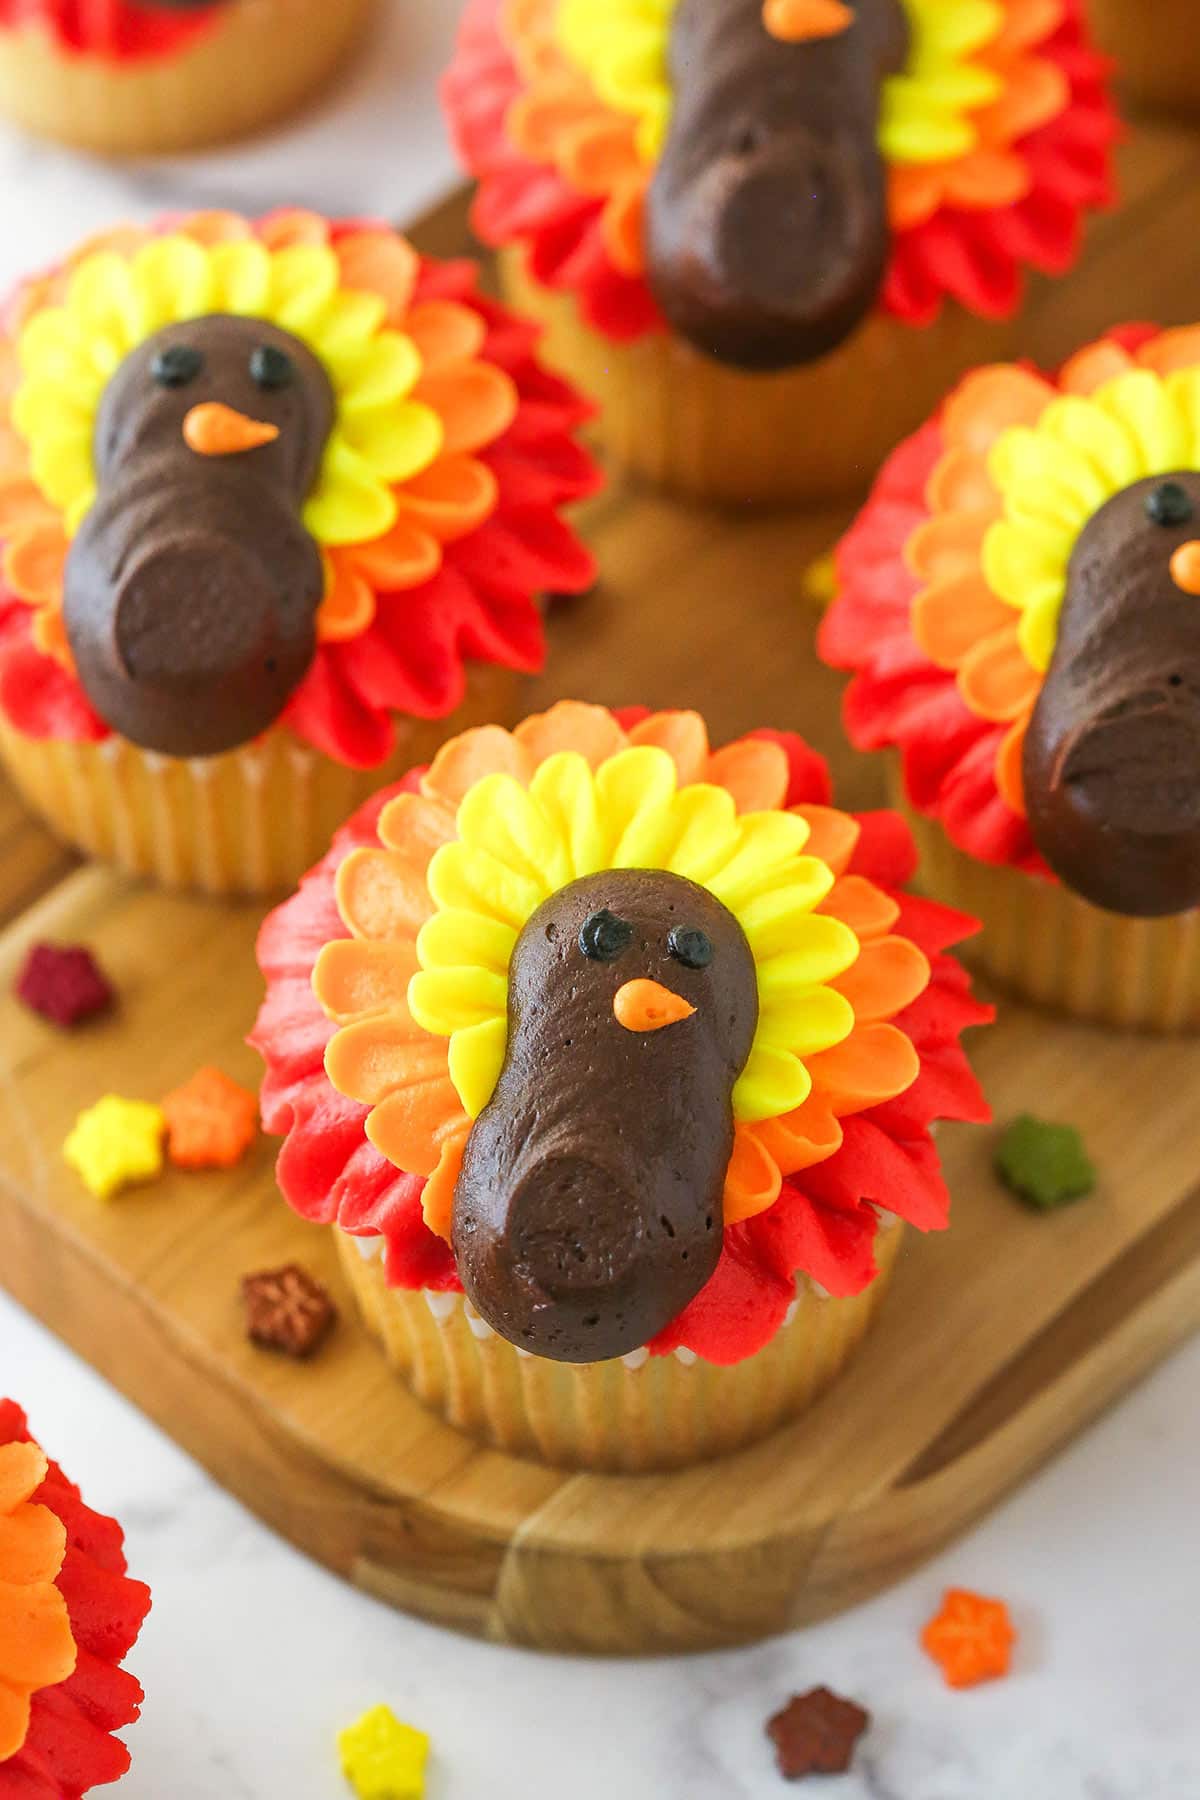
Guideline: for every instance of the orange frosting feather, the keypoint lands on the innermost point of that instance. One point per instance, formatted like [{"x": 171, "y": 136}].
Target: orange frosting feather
[{"x": 37, "y": 1648}]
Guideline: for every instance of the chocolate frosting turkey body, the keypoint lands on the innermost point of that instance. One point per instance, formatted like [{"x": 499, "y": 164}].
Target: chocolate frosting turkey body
[
  {"x": 192, "y": 586},
  {"x": 589, "y": 1207},
  {"x": 1112, "y": 756},
  {"x": 767, "y": 224}
]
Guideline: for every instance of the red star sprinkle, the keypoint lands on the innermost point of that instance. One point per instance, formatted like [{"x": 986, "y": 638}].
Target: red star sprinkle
[
  {"x": 64, "y": 983},
  {"x": 816, "y": 1733}
]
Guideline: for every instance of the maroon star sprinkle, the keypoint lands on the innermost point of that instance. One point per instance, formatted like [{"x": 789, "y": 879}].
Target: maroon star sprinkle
[
  {"x": 287, "y": 1310},
  {"x": 816, "y": 1733},
  {"x": 64, "y": 983}
]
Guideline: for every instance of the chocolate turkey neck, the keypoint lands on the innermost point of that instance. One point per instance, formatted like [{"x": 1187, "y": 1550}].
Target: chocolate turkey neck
[
  {"x": 192, "y": 587},
  {"x": 588, "y": 1212},
  {"x": 767, "y": 227},
  {"x": 1112, "y": 756}
]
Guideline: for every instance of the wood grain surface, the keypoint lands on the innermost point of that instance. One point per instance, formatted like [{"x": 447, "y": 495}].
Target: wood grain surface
[{"x": 1002, "y": 1338}]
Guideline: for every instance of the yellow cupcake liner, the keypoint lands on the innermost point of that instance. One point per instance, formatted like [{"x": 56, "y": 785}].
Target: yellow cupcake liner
[
  {"x": 1041, "y": 943},
  {"x": 249, "y": 822},
  {"x": 634, "y": 1414},
  {"x": 700, "y": 429},
  {"x": 261, "y": 60},
  {"x": 1156, "y": 47}
]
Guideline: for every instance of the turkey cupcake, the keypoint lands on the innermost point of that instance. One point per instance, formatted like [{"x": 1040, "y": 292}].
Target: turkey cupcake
[
  {"x": 278, "y": 501},
  {"x": 612, "y": 1060},
  {"x": 69, "y": 1615},
  {"x": 1156, "y": 48},
  {"x": 1019, "y": 602},
  {"x": 131, "y": 77},
  {"x": 767, "y": 234}
]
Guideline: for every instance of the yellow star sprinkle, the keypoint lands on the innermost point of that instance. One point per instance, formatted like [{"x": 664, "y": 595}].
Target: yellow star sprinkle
[
  {"x": 115, "y": 1144},
  {"x": 383, "y": 1759}
]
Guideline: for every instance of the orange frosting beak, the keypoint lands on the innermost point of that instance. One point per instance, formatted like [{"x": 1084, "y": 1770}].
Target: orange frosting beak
[
  {"x": 804, "y": 21},
  {"x": 216, "y": 430},
  {"x": 648, "y": 1006},
  {"x": 1185, "y": 567}
]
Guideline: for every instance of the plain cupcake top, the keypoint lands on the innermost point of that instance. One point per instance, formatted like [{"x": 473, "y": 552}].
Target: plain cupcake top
[
  {"x": 1019, "y": 603},
  {"x": 69, "y": 1615},
  {"x": 117, "y": 30},
  {"x": 760, "y": 174},
  {"x": 616, "y": 1033},
  {"x": 302, "y": 412}
]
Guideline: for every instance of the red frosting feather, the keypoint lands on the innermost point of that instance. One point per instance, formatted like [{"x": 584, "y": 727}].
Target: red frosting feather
[
  {"x": 119, "y": 30},
  {"x": 70, "y": 1748},
  {"x": 975, "y": 257},
  {"x": 823, "y": 1224}
]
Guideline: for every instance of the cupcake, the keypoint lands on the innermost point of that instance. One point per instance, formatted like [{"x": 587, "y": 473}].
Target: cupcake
[
  {"x": 277, "y": 504},
  {"x": 1155, "y": 47},
  {"x": 612, "y": 1061},
  {"x": 739, "y": 218},
  {"x": 69, "y": 1615},
  {"x": 1018, "y": 602},
  {"x": 131, "y": 77}
]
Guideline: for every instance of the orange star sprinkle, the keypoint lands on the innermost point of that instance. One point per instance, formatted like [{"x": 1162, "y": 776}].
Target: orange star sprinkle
[
  {"x": 971, "y": 1639},
  {"x": 211, "y": 1121}
]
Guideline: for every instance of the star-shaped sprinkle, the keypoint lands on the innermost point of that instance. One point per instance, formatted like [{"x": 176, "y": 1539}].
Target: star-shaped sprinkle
[
  {"x": 1044, "y": 1165},
  {"x": 971, "y": 1639},
  {"x": 64, "y": 983},
  {"x": 816, "y": 1733},
  {"x": 821, "y": 582},
  {"x": 382, "y": 1758},
  {"x": 211, "y": 1121},
  {"x": 287, "y": 1309},
  {"x": 115, "y": 1144}
]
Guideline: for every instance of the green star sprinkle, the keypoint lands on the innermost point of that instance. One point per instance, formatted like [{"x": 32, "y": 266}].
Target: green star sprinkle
[
  {"x": 1044, "y": 1165},
  {"x": 383, "y": 1759}
]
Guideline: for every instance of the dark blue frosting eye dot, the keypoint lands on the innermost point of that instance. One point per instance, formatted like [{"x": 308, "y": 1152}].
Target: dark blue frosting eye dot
[
  {"x": 176, "y": 365},
  {"x": 692, "y": 948},
  {"x": 271, "y": 368},
  {"x": 604, "y": 937},
  {"x": 1170, "y": 504}
]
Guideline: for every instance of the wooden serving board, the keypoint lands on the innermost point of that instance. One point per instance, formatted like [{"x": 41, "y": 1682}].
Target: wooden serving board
[{"x": 1002, "y": 1338}]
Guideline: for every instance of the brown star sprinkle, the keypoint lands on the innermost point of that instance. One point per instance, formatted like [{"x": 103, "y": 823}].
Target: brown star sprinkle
[
  {"x": 816, "y": 1733},
  {"x": 287, "y": 1310}
]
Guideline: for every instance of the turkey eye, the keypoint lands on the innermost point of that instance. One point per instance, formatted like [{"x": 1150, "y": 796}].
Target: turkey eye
[
  {"x": 1170, "y": 504},
  {"x": 604, "y": 937},
  {"x": 271, "y": 368},
  {"x": 175, "y": 366},
  {"x": 690, "y": 947}
]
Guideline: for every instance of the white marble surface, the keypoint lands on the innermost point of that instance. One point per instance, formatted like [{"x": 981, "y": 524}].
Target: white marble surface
[{"x": 253, "y": 1658}]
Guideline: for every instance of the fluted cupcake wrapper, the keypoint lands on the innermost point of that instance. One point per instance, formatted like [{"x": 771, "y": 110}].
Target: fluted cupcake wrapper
[
  {"x": 250, "y": 822},
  {"x": 1043, "y": 944},
  {"x": 635, "y": 1414},
  {"x": 699, "y": 428},
  {"x": 261, "y": 60}
]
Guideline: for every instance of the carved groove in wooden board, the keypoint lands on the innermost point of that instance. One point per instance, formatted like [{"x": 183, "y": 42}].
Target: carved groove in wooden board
[{"x": 1037, "y": 1322}]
